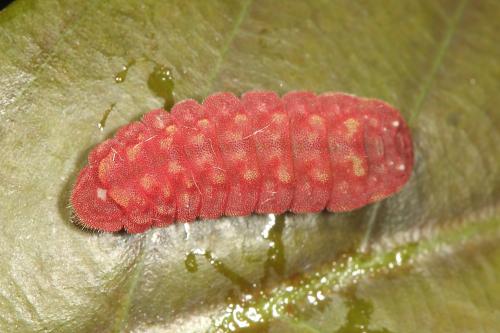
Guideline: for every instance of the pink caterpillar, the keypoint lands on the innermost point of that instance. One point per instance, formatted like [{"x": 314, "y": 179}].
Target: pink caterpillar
[{"x": 301, "y": 153}]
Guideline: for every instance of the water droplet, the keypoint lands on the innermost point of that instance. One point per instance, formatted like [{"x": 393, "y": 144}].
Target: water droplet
[
  {"x": 239, "y": 318},
  {"x": 311, "y": 299},
  {"x": 254, "y": 315},
  {"x": 190, "y": 262},
  {"x": 399, "y": 258},
  {"x": 102, "y": 123},
  {"x": 161, "y": 82},
  {"x": 122, "y": 75}
]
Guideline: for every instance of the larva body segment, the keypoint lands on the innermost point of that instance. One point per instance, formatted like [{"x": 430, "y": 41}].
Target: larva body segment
[
  {"x": 310, "y": 153},
  {"x": 234, "y": 137},
  {"x": 348, "y": 159},
  {"x": 229, "y": 156},
  {"x": 271, "y": 134}
]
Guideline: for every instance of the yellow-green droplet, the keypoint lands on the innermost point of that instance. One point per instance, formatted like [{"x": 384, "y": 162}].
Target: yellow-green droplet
[
  {"x": 359, "y": 315},
  {"x": 190, "y": 262},
  {"x": 102, "y": 122},
  {"x": 161, "y": 82},
  {"x": 122, "y": 75},
  {"x": 275, "y": 260},
  {"x": 192, "y": 266}
]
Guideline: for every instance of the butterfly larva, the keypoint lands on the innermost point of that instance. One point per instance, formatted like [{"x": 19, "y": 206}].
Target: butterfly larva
[{"x": 263, "y": 154}]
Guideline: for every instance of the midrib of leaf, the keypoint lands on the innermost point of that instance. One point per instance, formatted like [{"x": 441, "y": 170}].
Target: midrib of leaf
[
  {"x": 333, "y": 279},
  {"x": 124, "y": 311},
  {"x": 365, "y": 243},
  {"x": 438, "y": 60}
]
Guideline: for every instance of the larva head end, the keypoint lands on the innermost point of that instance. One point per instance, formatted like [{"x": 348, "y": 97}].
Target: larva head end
[{"x": 92, "y": 206}]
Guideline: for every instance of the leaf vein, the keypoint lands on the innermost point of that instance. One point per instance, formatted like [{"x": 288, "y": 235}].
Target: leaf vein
[
  {"x": 438, "y": 60},
  {"x": 225, "y": 49},
  {"x": 124, "y": 310}
]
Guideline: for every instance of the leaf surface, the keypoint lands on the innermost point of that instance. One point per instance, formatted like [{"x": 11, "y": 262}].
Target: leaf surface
[{"x": 436, "y": 61}]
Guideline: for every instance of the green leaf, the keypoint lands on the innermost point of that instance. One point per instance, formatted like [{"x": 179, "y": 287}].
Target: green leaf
[{"x": 62, "y": 74}]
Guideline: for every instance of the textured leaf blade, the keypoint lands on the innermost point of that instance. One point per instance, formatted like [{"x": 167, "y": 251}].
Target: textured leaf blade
[{"x": 57, "y": 74}]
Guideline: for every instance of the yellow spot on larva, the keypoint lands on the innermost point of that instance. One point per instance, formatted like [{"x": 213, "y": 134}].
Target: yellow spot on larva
[
  {"x": 357, "y": 166},
  {"x": 259, "y": 146},
  {"x": 204, "y": 158},
  {"x": 312, "y": 137},
  {"x": 189, "y": 183},
  {"x": 133, "y": 151},
  {"x": 279, "y": 117},
  {"x": 166, "y": 143},
  {"x": 239, "y": 155},
  {"x": 147, "y": 182},
  {"x": 240, "y": 119},
  {"x": 161, "y": 209},
  {"x": 284, "y": 175},
  {"x": 316, "y": 120},
  {"x": 203, "y": 123},
  {"x": 274, "y": 152},
  {"x": 250, "y": 174},
  {"x": 233, "y": 136},
  {"x": 218, "y": 177},
  {"x": 310, "y": 156},
  {"x": 120, "y": 196},
  {"x": 198, "y": 139},
  {"x": 164, "y": 209},
  {"x": 320, "y": 175},
  {"x": 171, "y": 129},
  {"x": 166, "y": 191},
  {"x": 352, "y": 126},
  {"x": 104, "y": 167},
  {"x": 174, "y": 167},
  {"x": 275, "y": 138},
  {"x": 185, "y": 200}
]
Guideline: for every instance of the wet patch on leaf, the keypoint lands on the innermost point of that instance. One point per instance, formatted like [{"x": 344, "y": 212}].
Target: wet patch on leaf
[
  {"x": 121, "y": 76},
  {"x": 161, "y": 82},
  {"x": 105, "y": 115}
]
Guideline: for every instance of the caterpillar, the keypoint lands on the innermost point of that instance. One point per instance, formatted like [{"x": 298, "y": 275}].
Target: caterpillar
[{"x": 258, "y": 154}]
